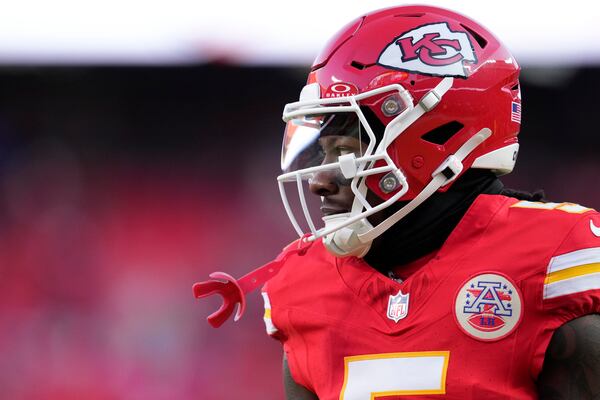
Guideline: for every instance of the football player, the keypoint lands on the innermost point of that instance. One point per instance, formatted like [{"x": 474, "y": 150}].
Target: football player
[{"x": 427, "y": 278}]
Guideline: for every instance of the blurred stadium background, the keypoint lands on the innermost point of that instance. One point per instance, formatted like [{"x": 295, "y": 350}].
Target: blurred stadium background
[{"x": 129, "y": 173}]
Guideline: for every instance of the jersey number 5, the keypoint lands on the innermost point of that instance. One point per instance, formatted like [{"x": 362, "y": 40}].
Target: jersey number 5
[{"x": 370, "y": 376}]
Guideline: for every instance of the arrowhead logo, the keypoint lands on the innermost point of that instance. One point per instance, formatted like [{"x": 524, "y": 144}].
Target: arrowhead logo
[{"x": 431, "y": 49}]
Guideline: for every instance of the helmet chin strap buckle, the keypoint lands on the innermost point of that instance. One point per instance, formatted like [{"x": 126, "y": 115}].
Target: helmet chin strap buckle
[
  {"x": 450, "y": 168},
  {"x": 453, "y": 166},
  {"x": 430, "y": 100}
]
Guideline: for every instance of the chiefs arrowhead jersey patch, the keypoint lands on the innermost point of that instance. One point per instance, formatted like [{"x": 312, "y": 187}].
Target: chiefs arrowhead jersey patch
[
  {"x": 488, "y": 307},
  {"x": 431, "y": 50}
]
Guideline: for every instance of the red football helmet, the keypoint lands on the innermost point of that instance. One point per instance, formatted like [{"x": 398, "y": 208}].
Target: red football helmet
[{"x": 428, "y": 93}]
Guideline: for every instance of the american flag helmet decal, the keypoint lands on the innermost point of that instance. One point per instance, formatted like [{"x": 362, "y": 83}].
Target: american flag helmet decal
[{"x": 515, "y": 112}]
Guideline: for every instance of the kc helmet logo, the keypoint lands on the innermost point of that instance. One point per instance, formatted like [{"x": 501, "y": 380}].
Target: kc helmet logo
[{"x": 431, "y": 50}]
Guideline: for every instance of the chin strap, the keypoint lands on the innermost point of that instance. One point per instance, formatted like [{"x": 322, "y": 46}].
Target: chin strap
[
  {"x": 444, "y": 174},
  {"x": 355, "y": 239},
  {"x": 234, "y": 290}
]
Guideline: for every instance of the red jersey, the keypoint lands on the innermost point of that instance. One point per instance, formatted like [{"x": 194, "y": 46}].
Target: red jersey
[{"x": 473, "y": 323}]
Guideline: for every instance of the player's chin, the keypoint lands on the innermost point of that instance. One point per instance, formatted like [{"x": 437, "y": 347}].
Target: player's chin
[{"x": 329, "y": 211}]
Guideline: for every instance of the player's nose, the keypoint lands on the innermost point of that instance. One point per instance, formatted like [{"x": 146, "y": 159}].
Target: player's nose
[{"x": 323, "y": 183}]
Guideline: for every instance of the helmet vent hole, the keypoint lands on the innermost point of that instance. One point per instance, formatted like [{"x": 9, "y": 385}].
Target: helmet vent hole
[
  {"x": 358, "y": 65},
  {"x": 480, "y": 40},
  {"x": 515, "y": 87},
  {"x": 443, "y": 133},
  {"x": 410, "y": 15}
]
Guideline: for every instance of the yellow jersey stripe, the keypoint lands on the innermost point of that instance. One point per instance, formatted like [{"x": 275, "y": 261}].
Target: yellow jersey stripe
[{"x": 572, "y": 272}]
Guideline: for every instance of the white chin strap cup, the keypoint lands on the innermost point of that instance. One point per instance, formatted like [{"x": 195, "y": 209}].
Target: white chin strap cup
[{"x": 345, "y": 242}]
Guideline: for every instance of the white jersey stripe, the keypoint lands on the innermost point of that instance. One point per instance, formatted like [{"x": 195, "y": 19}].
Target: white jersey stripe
[
  {"x": 535, "y": 204},
  {"x": 574, "y": 259},
  {"x": 271, "y": 328},
  {"x": 572, "y": 285},
  {"x": 266, "y": 300}
]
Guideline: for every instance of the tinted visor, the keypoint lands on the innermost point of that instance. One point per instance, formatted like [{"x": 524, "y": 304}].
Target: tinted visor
[{"x": 319, "y": 139}]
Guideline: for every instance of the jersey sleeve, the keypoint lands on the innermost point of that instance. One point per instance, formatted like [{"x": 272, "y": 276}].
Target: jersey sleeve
[
  {"x": 289, "y": 296},
  {"x": 271, "y": 327},
  {"x": 572, "y": 281},
  {"x": 279, "y": 327}
]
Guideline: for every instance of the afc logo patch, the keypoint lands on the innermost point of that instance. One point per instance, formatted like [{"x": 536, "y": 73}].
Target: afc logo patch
[
  {"x": 431, "y": 50},
  {"x": 488, "y": 306}
]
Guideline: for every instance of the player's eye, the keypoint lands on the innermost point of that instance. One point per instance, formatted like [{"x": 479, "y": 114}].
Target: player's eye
[
  {"x": 341, "y": 150},
  {"x": 332, "y": 148},
  {"x": 333, "y": 152}
]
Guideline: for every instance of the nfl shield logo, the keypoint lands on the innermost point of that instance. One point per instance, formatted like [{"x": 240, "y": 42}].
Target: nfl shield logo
[{"x": 398, "y": 306}]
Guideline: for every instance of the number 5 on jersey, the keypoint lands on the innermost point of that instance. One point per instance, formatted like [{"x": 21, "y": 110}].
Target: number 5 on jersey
[{"x": 368, "y": 377}]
